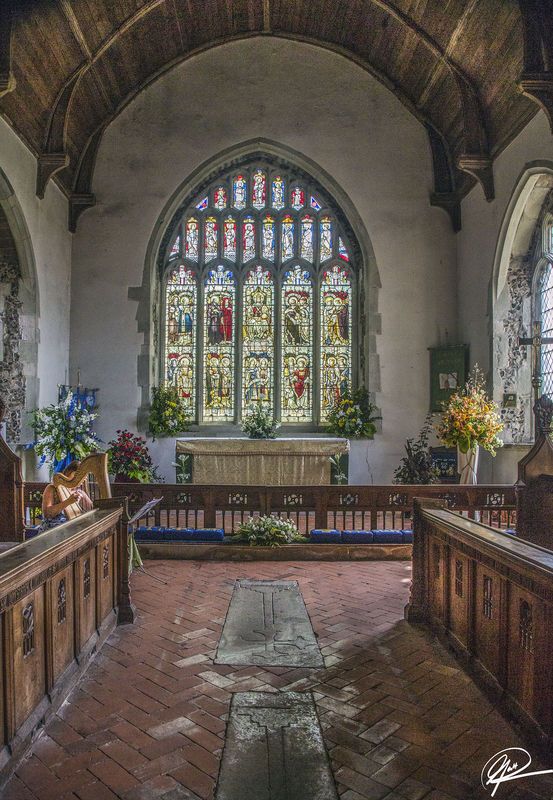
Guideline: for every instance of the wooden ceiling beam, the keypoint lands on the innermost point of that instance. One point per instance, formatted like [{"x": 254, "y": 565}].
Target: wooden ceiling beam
[
  {"x": 53, "y": 157},
  {"x": 536, "y": 80},
  {"x": 7, "y": 78},
  {"x": 82, "y": 197},
  {"x": 445, "y": 194}
]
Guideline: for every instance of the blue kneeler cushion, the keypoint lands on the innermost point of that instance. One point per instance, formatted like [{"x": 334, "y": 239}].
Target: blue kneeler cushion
[
  {"x": 162, "y": 534},
  {"x": 357, "y": 537},
  {"x": 325, "y": 536}
]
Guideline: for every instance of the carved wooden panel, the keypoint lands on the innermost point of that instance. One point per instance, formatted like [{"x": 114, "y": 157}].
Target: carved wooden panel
[
  {"x": 488, "y": 618},
  {"x": 105, "y": 564},
  {"x": 436, "y": 578},
  {"x": 29, "y": 662},
  {"x": 459, "y": 594},
  {"x": 85, "y": 591},
  {"x": 525, "y": 623},
  {"x": 62, "y": 621}
]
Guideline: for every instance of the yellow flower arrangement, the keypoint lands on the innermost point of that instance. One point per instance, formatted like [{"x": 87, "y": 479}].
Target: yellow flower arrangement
[{"x": 470, "y": 418}]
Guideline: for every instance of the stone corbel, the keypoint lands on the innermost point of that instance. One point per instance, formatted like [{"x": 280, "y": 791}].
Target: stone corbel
[
  {"x": 47, "y": 166},
  {"x": 445, "y": 194},
  {"x": 538, "y": 87},
  {"x": 79, "y": 202},
  {"x": 481, "y": 168}
]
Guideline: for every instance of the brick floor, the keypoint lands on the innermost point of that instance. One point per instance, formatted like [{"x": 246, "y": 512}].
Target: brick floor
[{"x": 400, "y": 719}]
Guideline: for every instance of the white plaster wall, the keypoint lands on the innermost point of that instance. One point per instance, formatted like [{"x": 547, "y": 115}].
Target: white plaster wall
[
  {"x": 329, "y": 110},
  {"x": 477, "y": 244},
  {"x": 50, "y": 244}
]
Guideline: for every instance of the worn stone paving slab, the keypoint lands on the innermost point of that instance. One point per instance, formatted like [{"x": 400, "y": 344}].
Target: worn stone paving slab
[
  {"x": 267, "y": 625},
  {"x": 274, "y": 750}
]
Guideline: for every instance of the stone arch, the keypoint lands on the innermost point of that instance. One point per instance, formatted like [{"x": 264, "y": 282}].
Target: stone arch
[
  {"x": 19, "y": 273},
  {"x": 147, "y": 294},
  {"x": 512, "y": 296}
]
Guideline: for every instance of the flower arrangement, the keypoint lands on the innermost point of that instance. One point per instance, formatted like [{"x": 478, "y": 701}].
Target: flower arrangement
[
  {"x": 168, "y": 413},
  {"x": 183, "y": 468},
  {"x": 353, "y": 415},
  {"x": 63, "y": 432},
  {"x": 269, "y": 531},
  {"x": 129, "y": 459},
  {"x": 470, "y": 418},
  {"x": 260, "y": 424},
  {"x": 416, "y": 465}
]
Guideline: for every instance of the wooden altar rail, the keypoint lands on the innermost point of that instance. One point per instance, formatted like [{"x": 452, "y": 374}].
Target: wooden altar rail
[
  {"x": 490, "y": 597},
  {"x": 343, "y": 507},
  {"x": 61, "y": 593}
]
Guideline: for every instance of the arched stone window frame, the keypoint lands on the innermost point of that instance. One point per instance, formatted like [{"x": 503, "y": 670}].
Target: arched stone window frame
[
  {"x": 169, "y": 259},
  {"x": 543, "y": 274}
]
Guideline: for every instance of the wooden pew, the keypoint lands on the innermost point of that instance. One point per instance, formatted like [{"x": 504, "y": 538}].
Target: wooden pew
[
  {"x": 61, "y": 594},
  {"x": 12, "y": 520},
  {"x": 490, "y": 596}
]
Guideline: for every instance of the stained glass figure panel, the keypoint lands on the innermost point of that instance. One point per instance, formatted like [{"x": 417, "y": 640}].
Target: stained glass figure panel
[
  {"x": 546, "y": 307},
  {"x": 229, "y": 239},
  {"x": 210, "y": 238},
  {"x": 297, "y": 346},
  {"x": 325, "y": 238},
  {"x": 336, "y": 309},
  {"x": 259, "y": 189},
  {"x": 268, "y": 238},
  {"x": 192, "y": 239},
  {"x": 239, "y": 191},
  {"x": 220, "y": 197},
  {"x": 287, "y": 238},
  {"x": 175, "y": 250},
  {"x": 258, "y": 341},
  {"x": 277, "y": 193},
  {"x": 219, "y": 338},
  {"x": 203, "y": 204},
  {"x": 248, "y": 239},
  {"x": 306, "y": 238},
  {"x": 297, "y": 198},
  {"x": 180, "y": 334},
  {"x": 342, "y": 249}
]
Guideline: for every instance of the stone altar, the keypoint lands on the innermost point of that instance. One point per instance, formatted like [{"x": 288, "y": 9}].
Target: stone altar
[{"x": 271, "y": 462}]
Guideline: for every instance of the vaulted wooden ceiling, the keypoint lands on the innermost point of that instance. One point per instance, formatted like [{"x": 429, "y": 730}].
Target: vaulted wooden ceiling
[{"x": 473, "y": 71}]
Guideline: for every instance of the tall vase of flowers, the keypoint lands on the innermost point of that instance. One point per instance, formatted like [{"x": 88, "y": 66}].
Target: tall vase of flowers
[
  {"x": 471, "y": 420},
  {"x": 63, "y": 432}
]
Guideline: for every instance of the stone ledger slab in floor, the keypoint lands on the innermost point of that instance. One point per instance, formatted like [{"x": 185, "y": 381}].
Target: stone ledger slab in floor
[
  {"x": 267, "y": 624},
  {"x": 274, "y": 750}
]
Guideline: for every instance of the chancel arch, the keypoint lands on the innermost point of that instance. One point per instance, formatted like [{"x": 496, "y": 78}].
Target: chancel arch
[{"x": 260, "y": 241}]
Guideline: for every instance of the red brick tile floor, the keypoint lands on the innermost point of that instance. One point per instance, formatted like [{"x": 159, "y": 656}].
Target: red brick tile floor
[{"x": 400, "y": 719}]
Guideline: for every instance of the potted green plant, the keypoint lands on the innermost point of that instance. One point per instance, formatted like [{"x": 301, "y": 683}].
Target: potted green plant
[
  {"x": 168, "y": 413},
  {"x": 416, "y": 465},
  {"x": 260, "y": 424},
  {"x": 353, "y": 416},
  {"x": 129, "y": 459},
  {"x": 268, "y": 531},
  {"x": 471, "y": 420},
  {"x": 63, "y": 432}
]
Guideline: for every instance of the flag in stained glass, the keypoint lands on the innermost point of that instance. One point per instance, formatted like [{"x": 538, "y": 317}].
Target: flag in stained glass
[
  {"x": 258, "y": 341},
  {"x": 297, "y": 198},
  {"x": 210, "y": 238},
  {"x": 335, "y": 336},
  {"x": 342, "y": 250},
  {"x": 277, "y": 195},
  {"x": 268, "y": 238},
  {"x": 229, "y": 239},
  {"x": 220, "y": 197},
  {"x": 248, "y": 239},
  {"x": 180, "y": 338},
  {"x": 306, "y": 239},
  {"x": 259, "y": 190},
  {"x": 219, "y": 336},
  {"x": 325, "y": 238},
  {"x": 203, "y": 204},
  {"x": 297, "y": 346},
  {"x": 192, "y": 239},
  {"x": 314, "y": 203},
  {"x": 239, "y": 192},
  {"x": 175, "y": 250},
  {"x": 287, "y": 238}
]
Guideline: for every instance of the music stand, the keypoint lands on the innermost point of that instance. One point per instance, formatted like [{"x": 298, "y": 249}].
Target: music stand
[{"x": 135, "y": 559}]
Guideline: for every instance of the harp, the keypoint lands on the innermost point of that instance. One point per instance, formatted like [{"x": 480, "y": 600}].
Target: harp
[{"x": 95, "y": 465}]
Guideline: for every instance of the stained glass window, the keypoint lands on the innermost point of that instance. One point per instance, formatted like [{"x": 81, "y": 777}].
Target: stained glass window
[
  {"x": 546, "y": 308},
  {"x": 219, "y": 335},
  {"x": 297, "y": 346},
  {"x": 335, "y": 336},
  {"x": 259, "y": 297},
  {"x": 180, "y": 338},
  {"x": 258, "y": 341}
]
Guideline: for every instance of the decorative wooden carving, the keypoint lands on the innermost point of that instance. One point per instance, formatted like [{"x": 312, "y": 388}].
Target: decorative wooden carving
[
  {"x": 95, "y": 465},
  {"x": 12, "y": 518}
]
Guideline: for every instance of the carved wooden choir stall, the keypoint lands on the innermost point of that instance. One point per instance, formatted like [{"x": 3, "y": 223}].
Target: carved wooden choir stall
[{"x": 61, "y": 594}]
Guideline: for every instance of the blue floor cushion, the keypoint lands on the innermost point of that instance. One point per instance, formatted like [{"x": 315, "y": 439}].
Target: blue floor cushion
[
  {"x": 327, "y": 536},
  {"x": 357, "y": 537},
  {"x": 407, "y": 537},
  {"x": 388, "y": 537},
  {"x": 163, "y": 534}
]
